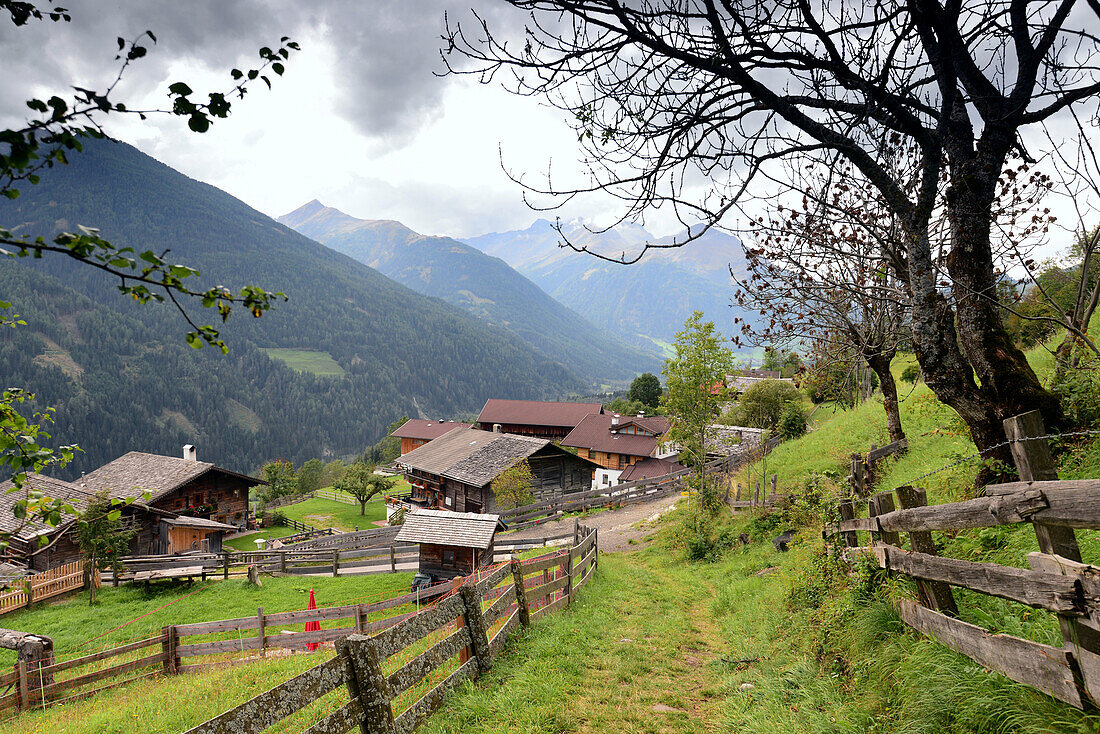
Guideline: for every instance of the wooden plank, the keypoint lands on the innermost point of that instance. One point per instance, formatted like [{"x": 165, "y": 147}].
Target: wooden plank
[
  {"x": 85, "y": 659},
  {"x": 340, "y": 720},
  {"x": 550, "y": 608},
  {"x": 397, "y": 638},
  {"x": 276, "y": 704},
  {"x": 110, "y": 672},
  {"x": 1039, "y": 666},
  {"x": 1038, "y": 589},
  {"x": 497, "y": 643},
  {"x": 861, "y": 523},
  {"x": 1072, "y": 508},
  {"x": 544, "y": 589},
  {"x": 584, "y": 563},
  {"x": 300, "y": 639},
  {"x": 933, "y": 594},
  {"x": 310, "y": 615},
  {"x": 1055, "y": 485},
  {"x": 100, "y": 689},
  {"x": 474, "y": 620},
  {"x": 585, "y": 544},
  {"x": 847, "y": 511},
  {"x": 541, "y": 563},
  {"x": 494, "y": 578},
  {"x": 367, "y": 682},
  {"x": 587, "y": 574},
  {"x": 411, "y": 672},
  {"x": 887, "y": 450},
  {"x": 494, "y": 611},
  {"x": 1085, "y": 642},
  {"x": 407, "y": 722},
  {"x": 216, "y": 647},
  {"x": 883, "y": 503},
  {"x": 223, "y": 625}
]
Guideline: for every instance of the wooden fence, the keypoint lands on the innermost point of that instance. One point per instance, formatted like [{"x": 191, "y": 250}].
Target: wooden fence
[
  {"x": 864, "y": 468},
  {"x": 398, "y": 677},
  {"x": 43, "y": 586},
  {"x": 1057, "y": 580},
  {"x": 178, "y": 648}
]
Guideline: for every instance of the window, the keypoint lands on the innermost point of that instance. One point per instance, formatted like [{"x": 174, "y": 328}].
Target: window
[{"x": 448, "y": 558}]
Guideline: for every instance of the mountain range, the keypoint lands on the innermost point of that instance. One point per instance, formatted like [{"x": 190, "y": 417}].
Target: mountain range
[
  {"x": 645, "y": 302},
  {"x": 480, "y": 284},
  {"x": 122, "y": 378}
]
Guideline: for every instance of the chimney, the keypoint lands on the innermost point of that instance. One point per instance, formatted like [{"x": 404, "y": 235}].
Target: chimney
[
  {"x": 615, "y": 423},
  {"x": 496, "y": 428},
  {"x": 189, "y": 452},
  {"x": 641, "y": 414}
]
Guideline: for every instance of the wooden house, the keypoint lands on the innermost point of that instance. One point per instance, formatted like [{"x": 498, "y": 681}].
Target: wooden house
[
  {"x": 537, "y": 418},
  {"x": 456, "y": 471},
  {"x": 617, "y": 442},
  {"x": 416, "y": 432},
  {"x": 451, "y": 543}
]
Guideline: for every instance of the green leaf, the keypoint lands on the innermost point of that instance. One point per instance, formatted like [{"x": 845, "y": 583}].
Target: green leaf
[
  {"x": 180, "y": 88},
  {"x": 198, "y": 122}
]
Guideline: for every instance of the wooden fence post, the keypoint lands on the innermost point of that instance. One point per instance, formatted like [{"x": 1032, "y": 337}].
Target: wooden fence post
[
  {"x": 22, "y": 684},
  {"x": 568, "y": 566},
  {"x": 225, "y": 564},
  {"x": 393, "y": 560},
  {"x": 367, "y": 682},
  {"x": 884, "y": 502},
  {"x": 858, "y": 478},
  {"x": 335, "y": 563},
  {"x": 756, "y": 495},
  {"x": 872, "y": 511},
  {"x": 935, "y": 595},
  {"x": 479, "y": 631},
  {"x": 261, "y": 630},
  {"x": 737, "y": 497},
  {"x": 775, "y": 482},
  {"x": 1031, "y": 454},
  {"x": 521, "y": 592},
  {"x": 847, "y": 510},
  {"x": 282, "y": 561}
]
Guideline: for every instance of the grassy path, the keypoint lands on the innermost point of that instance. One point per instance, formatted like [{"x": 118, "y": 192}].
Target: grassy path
[{"x": 638, "y": 652}]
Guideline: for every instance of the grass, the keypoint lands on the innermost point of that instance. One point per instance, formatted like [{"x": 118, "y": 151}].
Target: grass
[
  {"x": 306, "y": 360},
  {"x": 248, "y": 542},
  {"x": 322, "y": 513}
]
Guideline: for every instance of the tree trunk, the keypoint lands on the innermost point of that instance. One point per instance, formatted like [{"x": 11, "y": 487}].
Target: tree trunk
[
  {"x": 880, "y": 364},
  {"x": 362, "y": 508}
]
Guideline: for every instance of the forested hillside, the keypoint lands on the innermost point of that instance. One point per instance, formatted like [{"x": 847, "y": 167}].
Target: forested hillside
[
  {"x": 122, "y": 377},
  {"x": 482, "y": 285}
]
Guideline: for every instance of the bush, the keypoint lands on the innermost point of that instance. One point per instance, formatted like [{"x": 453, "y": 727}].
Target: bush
[
  {"x": 911, "y": 374},
  {"x": 762, "y": 403},
  {"x": 792, "y": 421},
  {"x": 1079, "y": 392},
  {"x": 278, "y": 519}
]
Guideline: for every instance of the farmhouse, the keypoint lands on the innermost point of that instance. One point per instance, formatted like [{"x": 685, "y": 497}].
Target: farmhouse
[
  {"x": 455, "y": 471},
  {"x": 616, "y": 443},
  {"x": 416, "y": 432},
  {"x": 541, "y": 419},
  {"x": 741, "y": 380},
  {"x": 451, "y": 543}
]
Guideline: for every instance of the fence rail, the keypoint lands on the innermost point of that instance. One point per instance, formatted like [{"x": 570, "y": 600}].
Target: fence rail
[
  {"x": 1057, "y": 581},
  {"x": 44, "y": 586}
]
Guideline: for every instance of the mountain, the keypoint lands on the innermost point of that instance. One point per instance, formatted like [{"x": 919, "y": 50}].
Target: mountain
[
  {"x": 482, "y": 285},
  {"x": 122, "y": 377},
  {"x": 649, "y": 300}
]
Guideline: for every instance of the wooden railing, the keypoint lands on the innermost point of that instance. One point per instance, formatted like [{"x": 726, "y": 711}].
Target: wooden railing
[
  {"x": 45, "y": 585},
  {"x": 1057, "y": 580},
  {"x": 398, "y": 677}
]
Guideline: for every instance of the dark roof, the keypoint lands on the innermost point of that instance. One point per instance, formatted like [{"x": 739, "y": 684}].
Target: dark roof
[
  {"x": 427, "y": 430},
  {"x": 443, "y": 527},
  {"x": 49, "y": 487},
  {"x": 136, "y": 472},
  {"x": 536, "y": 412},
  {"x": 472, "y": 457},
  {"x": 595, "y": 433},
  {"x": 649, "y": 468}
]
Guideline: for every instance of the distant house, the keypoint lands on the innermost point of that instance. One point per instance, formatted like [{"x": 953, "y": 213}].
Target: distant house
[
  {"x": 741, "y": 380},
  {"x": 455, "y": 471},
  {"x": 416, "y": 432},
  {"x": 617, "y": 442},
  {"x": 537, "y": 418},
  {"x": 451, "y": 543},
  {"x": 650, "y": 468}
]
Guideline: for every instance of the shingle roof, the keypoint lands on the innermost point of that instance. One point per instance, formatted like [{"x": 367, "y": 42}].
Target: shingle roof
[
  {"x": 136, "y": 472},
  {"x": 443, "y": 527},
  {"x": 594, "y": 433},
  {"x": 428, "y": 430},
  {"x": 472, "y": 457},
  {"x": 49, "y": 487},
  {"x": 536, "y": 412},
  {"x": 649, "y": 468},
  {"x": 199, "y": 522}
]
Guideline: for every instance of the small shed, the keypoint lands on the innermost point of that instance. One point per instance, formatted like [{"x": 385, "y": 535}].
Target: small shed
[
  {"x": 183, "y": 533},
  {"x": 451, "y": 543}
]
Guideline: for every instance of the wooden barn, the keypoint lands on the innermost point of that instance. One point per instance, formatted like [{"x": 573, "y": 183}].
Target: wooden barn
[
  {"x": 456, "y": 471},
  {"x": 416, "y": 432},
  {"x": 451, "y": 543},
  {"x": 537, "y": 418}
]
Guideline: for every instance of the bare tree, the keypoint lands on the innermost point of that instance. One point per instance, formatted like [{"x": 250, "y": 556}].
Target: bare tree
[
  {"x": 820, "y": 275},
  {"x": 691, "y": 105}
]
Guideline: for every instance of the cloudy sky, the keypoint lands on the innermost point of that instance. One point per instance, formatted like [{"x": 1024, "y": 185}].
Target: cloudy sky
[{"x": 361, "y": 120}]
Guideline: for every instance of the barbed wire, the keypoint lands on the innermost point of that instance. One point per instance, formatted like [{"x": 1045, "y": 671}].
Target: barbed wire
[{"x": 972, "y": 457}]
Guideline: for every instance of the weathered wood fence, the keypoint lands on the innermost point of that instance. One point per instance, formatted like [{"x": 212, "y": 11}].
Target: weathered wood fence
[
  {"x": 1057, "y": 580},
  {"x": 178, "y": 648},
  {"x": 45, "y": 585},
  {"x": 398, "y": 677},
  {"x": 865, "y": 468}
]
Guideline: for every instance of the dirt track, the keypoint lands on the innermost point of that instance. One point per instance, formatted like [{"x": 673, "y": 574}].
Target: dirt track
[{"x": 617, "y": 527}]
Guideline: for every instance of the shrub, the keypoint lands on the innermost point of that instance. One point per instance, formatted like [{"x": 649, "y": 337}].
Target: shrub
[
  {"x": 911, "y": 374},
  {"x": 762, "y": 404},
  {"x": 1079, "y": 392},
  {"x": 278, "y": 518},
  {"x": 792, "y": 420}
]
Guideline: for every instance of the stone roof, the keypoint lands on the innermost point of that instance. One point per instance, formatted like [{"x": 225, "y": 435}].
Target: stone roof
[
  {"x": 135, "y": 473},
  {"x": 472, "y": 457},
  {"x": 595, "y": 433},
  {"x": 536, "y": 412},
  {"x": 443, "y": 527},
  {"x": 428, "y": 430},
  {"x": 49, "y": 487}
]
